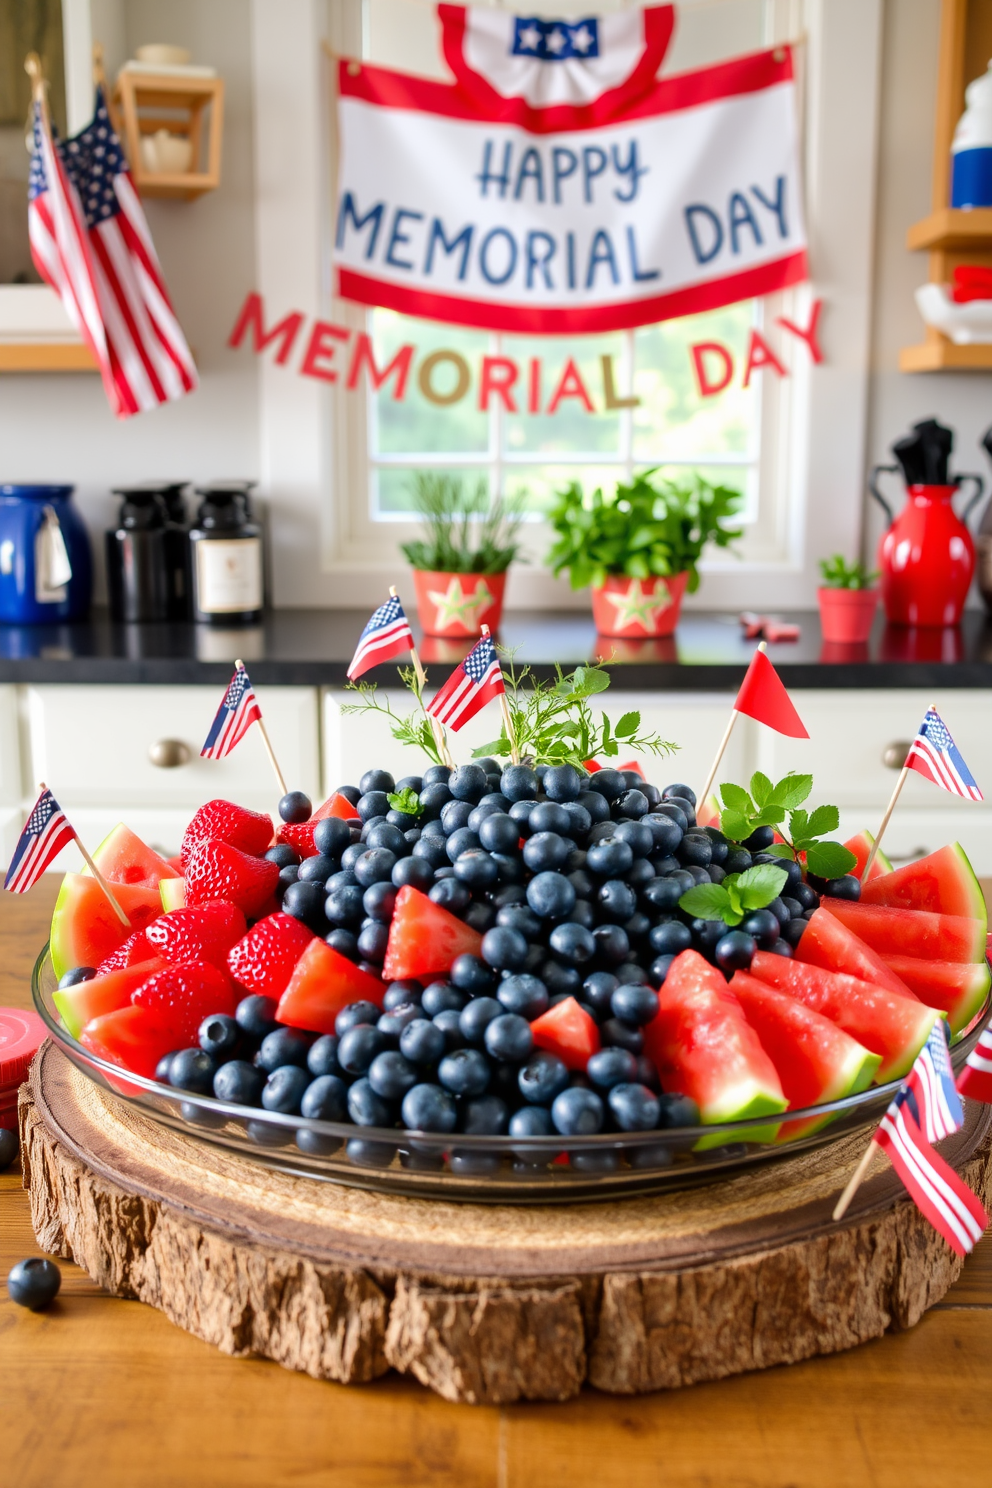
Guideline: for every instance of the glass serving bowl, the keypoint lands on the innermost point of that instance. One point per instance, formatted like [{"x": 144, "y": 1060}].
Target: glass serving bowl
[{"x": 504, "y": 1170}]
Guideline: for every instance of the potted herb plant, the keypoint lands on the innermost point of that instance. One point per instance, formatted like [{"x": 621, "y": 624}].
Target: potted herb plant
[
  {"x": 639, "y": 548},
  {"x": 460, "y": 563},
  {"x": 847, "y": 600}
]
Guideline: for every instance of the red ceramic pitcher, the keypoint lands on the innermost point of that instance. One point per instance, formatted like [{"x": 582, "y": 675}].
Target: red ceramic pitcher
[{"x": 926, "y": 557}]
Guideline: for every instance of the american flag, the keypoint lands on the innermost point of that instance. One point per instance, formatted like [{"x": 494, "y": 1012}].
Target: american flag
[
  {"x": 931, "y": 1081},
  {"x": 940, "y": 1195},
  {"x": 90, "y": 242},
  {"x": 235, "y": 716},
  {"x": 473, "y": 684},
  {"x": 45, "y": 834},
  {"x": 386, "y": 635},
  {"x": 934, "y": 755},
  {"x": 975, "y": 1080}
]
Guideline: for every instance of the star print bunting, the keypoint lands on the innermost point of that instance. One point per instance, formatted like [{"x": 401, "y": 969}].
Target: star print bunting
[{"x": 763, "y": 697}]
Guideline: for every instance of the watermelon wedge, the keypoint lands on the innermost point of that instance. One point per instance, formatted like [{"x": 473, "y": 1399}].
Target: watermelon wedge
[
  {"x": 84, "y": 927},
  {"x": 894, "y": 1027},
  {"x": 705, "y": 1048},
  {"x": 828, "y": 943},
  {"x": 816, "y": 1061},
  {"x": 173, "y": 892},
  {"x": 957, "y": 988},
  {"x": 861, "y": 847},
  {"x": 322, "y": 983},
  {"x": 708, "y": 813},
  {"x": 911, "y": 932},
  {"x": 135, "y": 1038},
  {"x": 78, "y": 1005},
  {"x": 123, "y": 858},
  {"x": 425, "y": 939},
  {"x": 944, "y": 882},
  {"x": 568, "y": 1031}
]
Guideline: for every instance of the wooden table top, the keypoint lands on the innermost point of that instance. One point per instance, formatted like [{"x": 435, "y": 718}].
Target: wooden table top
[{"x": 103, "y": 1392}]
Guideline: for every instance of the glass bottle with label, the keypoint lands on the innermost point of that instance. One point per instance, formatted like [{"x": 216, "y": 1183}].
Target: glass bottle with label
[{"x": 226, "y": 547}]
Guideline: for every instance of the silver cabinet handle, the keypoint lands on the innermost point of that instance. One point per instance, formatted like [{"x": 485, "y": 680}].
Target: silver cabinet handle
[
  {"x": 894, "y": 754},
  {"x": 167, "y": 754}
]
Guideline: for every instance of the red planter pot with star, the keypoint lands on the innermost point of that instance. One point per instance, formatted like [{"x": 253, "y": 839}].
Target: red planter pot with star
[
  {"x": 452, "y": 604},
  {"x": 636, "y": 608}
]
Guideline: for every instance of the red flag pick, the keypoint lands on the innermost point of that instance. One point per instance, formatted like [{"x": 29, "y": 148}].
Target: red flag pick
[{"x": 763, "y": 697}]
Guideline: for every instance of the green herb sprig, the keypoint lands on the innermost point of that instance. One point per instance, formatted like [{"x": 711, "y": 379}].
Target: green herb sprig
[
  {"x": 465, "y": 531},
  {"x": 780, "y": 806},
  {"x": 414, "y": 729},
  {"x": 738, "y": 895},
  {"x": 406, "y": 801},
  {"x": 837, "y": 573}
]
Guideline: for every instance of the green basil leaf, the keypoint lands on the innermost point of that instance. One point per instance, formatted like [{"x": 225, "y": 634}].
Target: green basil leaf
[
  {"x": 405, "y": 800},
  {"x": 735, "y": 826},
  {"x": 733, "y": 894},
  {"x": 497, "y": 747},
  {"x": 792, "y": 790},
  {"x": 770, "y": 816},
  {"x": 781, "y": 850},
  {"x": 737, "y": 798},
  {"x": 824, "y": 819},
  {"x": 706, "y": 902},
  {"x": 798, "y": 825},
  {"x": 761, "y": 788},
  {"x": 758, "y": 886},
  {"x": 627, "y": 725},
  {"x": 829, "y": 859}
]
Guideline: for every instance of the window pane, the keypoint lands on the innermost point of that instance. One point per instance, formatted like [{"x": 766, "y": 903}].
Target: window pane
[
  {"x": 571, "y": 429},
  {"x": 542, "y": 482},
  {"x": 416, "y": 425},
  {"x": 392, "y": 487},
  {"x": 673, "y": 421}
]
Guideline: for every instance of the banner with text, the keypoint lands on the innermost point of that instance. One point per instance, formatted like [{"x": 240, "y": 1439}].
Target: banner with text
[{"x": 685, "y": 199}]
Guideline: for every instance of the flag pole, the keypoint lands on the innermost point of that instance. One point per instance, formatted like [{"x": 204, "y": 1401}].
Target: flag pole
[
  {"x": 437, "y": 728},
  {"x": 889, "y": 810},
  {"x": 95, "y": 871},
  {"x": 239, "y": 666},
  {"x": 734, "y": 715},
  {"x": 504, "y": 708},
  {"x": 855, "y": 1182}
]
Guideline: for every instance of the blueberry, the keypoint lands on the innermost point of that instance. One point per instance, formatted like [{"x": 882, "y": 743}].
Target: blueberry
[
  {"x": 422, "y": 1042},
  {"x": 256, "y": 1015},
  {"x": 285, "y": 856},
  {"x": 435, "y": 774},
  {"x": 464, "y": 1072},
  {"x": 608, "y": 783},
  {"x": 615, "y": 1034},
  {"x": 317, "y": 869},
  {"x": 431, "y": 849},
  {"x": 468, "y": 783},
  {"x": 485, "y": 1117},
  {"x": 638, "y": 927},
  {"x": 549, "y": 816},
  {"x": 806, "y": 895},
  {"x": 315, "y": 1144},
  {"x": 572, "y": 943},
  {"x": 635, "y": 1004},
  {"x": 781, "y": 948},
  {"x": 610, "y": 857},
  {"x": 499, "y": 833},
  {"x": 75, "y": 975},
  {"x": 34, "y": 1283},
  {"x": 545, "y": 851},
  {"x": 597, "y": 991},
  {"x": 449, "y": 1023},
  {"x": 433, "y": 799},
  {"x": 401, "y": 994},
  {"x": 677, "y": 1110},
  {"x": 372, "y": 804},
  {"x": 551, "y": 896},
  {"x": 393, "y": 1022},
  {"x": 531, "y": 1121},
  {"x": 372, "y": 942},
  {"x": 507, "y": 1037},
  {"x": 365, "y": 1154},
  {"x": 848, "y": 887},
  {"x": 344, "y": 942},
  {"x": 612, "y": 945},
  {"x": 358, "y": 1047},
  {"x": 694, "y": 851},
  {"x": 577, "y": 1112},
  {"x": 764, "y": 926},
  {"x": 542, "y": 1078},
  {"x": 523, "y": 994},
  {"x": 386, "y": 834},
  {"x": 283, "y": 1046},
  {"x": 504, "y": 949},
  {"x": 616, "y": 899},
  {"x": 9, "y": 1147},
  {"x": 580, "y": 821},
  {"x": 354, "y": 1014},
  {"x": 439, "y": 996},
  {"x": 304, "y": 901},
  {"x": 673, "y": 813},
  {"x": 760, "y": 838},
  {"x": 295, "y": 806},
  {"x": 792, "y": 933},
  {"x": 670, "y": 937},
  {"x": 518, "y": 783},
  {"x": 634, "y": 1107},
  {"x": 219, "y": 1035},
  {"x": 631, "y": 972},
  {"x": 451, "y": 895},
  {"x": 476, "y": 1017},
  {"x": 609, "y": 1067},
  {"x": 738, "y": 860},
  {"x": 735, "y": 951},
  {"x": 429, "y": 1108},
  {"x": 413, "y": 871},
  {"x": 637, "y": 835},
  {"x": 331, "y": 836},
  {"x": 193, "y": 1070},
  {"x": 162, "y": 1067},
  {"x": 471, "y": 975},
  {"x": 476, "y": 869},
  {"x": 706, "y": 933},
  {"x": 519, "y": 917},
  {"x": 350, "y": 857},
  {"x": 562, "y": 783},
  {"x": 239, "y": 1083},
  {"x": 322, "y": 1056},
  {"x": 366, "y": 1108},
  {"x": 284, "y": 1089},
  {"x": 376, "y": 780},
  {"x": 391, "y": 1075}
]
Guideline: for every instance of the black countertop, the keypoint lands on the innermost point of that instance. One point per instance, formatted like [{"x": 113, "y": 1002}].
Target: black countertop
[{"x": 314, "y": 647}]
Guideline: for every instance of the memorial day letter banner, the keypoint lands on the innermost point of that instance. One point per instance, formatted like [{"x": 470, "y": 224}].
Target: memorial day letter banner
[{"x": 662, "y": 196}]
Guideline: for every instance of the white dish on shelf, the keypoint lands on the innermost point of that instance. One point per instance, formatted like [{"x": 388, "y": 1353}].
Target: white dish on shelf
[
  {"x": 969, "y": 324},
  {"x": 166, "y": 69}
]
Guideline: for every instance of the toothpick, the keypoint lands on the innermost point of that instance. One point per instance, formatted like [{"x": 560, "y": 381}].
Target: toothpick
[
  {"x": 280, "y": 777},
  {"x": 108, "y": 891},
  {"x": 855, "y": 1182},
  {"x": 437, "y": 727},
  {"x": 504, "y": 708},
  {"x": 734, "y": 715}
]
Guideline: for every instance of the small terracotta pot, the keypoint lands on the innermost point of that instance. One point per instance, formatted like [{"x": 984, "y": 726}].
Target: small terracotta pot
[
  {"x": 638, "y": 607},
  {"x": 452, "y": 604},
  {"x": 847, "y": 614}
]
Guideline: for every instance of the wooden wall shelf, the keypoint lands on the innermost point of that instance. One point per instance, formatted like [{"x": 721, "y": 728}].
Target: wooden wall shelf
[
  {"x": 46, "y": 356},
  {"x": 952, "y": 228},
  {"x": 943, "y": 355},
  {"x": 192, "y": 107}
]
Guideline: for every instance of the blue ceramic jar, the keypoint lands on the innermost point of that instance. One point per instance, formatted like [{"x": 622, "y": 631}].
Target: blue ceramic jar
[{"x": 42, "y": 538}]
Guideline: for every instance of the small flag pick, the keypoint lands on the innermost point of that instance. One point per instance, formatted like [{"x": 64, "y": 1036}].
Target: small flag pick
[
  {"x": 762, "y": 696},
  {"x": 934, "y": 755},
  {"x": 975, "y": 1080},
  {"x": 237, "y": 712},
  {"x": 46, "y": 832},
  {"x": 387, "y": 634},
  {"x": 470, "y": 687},
  {"x": 926, "y": 1108}
]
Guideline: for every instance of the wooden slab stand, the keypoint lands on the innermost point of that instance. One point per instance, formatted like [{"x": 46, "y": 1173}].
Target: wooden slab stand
[{"x": 481, "y": 1303}]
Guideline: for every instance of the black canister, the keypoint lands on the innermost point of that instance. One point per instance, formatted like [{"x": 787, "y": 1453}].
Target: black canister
[
  {"x": 226, "y": 556},
  {"x": 138, "y": 560},
  {"x": 175, "y": 544}
]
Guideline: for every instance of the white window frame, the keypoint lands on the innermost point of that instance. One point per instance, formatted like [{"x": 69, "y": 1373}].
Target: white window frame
[{"x": 813, "y": 453}]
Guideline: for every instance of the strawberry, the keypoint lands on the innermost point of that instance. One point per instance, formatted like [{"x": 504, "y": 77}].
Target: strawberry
[
  {"x": 263, "y": 960},
  {"x": 250, "y": 831},
  {"x": 183, "y": 995},
  {"x": 134, "y": 950},
  {"x": 299, "y": 835},
  {"x": 205, "y": 933},
  {"x": 216, "y": 870}
]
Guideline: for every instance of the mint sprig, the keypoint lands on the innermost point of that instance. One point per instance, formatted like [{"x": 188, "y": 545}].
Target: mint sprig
[
  {"x": 780, "y": 806},
  {"x": 739, "y": 894},
  {"x": 405, "y": 800}
]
